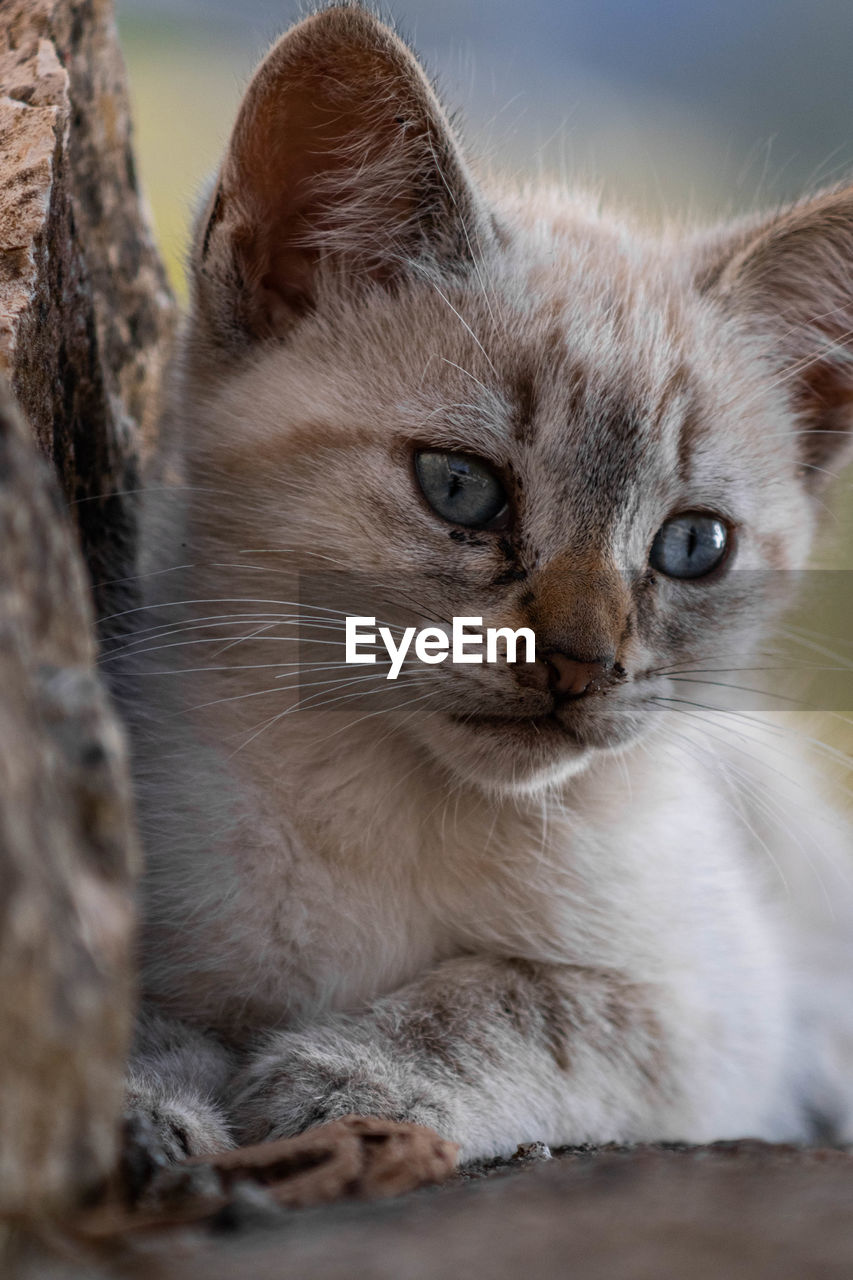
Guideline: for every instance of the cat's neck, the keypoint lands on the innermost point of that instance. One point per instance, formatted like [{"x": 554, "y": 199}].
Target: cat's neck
[{"x": 347, "y": 787}]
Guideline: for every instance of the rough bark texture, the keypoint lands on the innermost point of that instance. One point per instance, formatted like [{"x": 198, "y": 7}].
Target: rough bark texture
[
  {"x": 66, "y": 849},
  {"x": 85, "y": 313},
  {"x": 85, "y": 323}
]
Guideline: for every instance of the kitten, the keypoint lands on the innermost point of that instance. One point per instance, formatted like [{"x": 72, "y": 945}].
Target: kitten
[{"x": 558, "y": 900}]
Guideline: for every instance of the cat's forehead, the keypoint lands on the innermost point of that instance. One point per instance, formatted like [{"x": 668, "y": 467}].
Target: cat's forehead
[
  {"x": 572, "y": 348},
  {"x": 567, "y": 345},
  {"x": 591, "y": 366},
  {"x": 606, "y": 319},
  {"x": 581, "y": 310}
]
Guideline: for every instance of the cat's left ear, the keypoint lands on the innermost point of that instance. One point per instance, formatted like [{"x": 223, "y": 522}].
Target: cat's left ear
[
  {"x": 341, "y": 165},
  {"x": 790, "y": 279}
]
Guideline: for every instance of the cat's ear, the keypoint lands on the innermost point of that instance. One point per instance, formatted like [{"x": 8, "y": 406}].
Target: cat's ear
[
  {"x": 341, "y": 159},
  {"x": 790, "y": 278}
]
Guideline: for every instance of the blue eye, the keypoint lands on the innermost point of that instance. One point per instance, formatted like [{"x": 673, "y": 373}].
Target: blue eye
[
  {"x": 689, "y": 546},
  {"x": 461, "y": 488}
]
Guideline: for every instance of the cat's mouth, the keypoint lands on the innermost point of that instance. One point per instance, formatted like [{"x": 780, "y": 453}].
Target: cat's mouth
[
  {"x": 523, "y": 752},
  {"x": 597, "y": 720},
  {"x": 548, "y": 723}
]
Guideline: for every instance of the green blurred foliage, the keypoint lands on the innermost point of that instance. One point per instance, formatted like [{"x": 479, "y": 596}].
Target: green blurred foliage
[{"x": 185, "y": 87}]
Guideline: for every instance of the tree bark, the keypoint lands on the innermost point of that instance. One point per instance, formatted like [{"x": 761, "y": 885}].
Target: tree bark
[
  {"x": 85, "y": 325},
  {"x": 66, "y": 855},
  {"x": 86, "y": 316}
]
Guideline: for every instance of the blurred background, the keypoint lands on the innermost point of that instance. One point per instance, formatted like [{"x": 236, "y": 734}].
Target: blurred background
[
  {"x": 703, "y": 106},
  {"x": 676, "y": 108}
]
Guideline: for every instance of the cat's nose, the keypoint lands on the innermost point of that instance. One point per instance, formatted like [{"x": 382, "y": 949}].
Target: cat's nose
[{"x": 572, "y": 678}]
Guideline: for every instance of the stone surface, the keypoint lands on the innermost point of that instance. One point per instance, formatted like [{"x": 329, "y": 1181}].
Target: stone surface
[
  {"x": 649, "y": 1215},
  {"x": 730, "y": 1211},
  {"x": 733, "y": 1211},
  {"x": 66, "y": 854},
  {"x": 86, "y": 317}
]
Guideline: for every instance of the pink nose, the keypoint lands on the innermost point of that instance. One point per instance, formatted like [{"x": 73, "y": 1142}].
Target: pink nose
[{"x": 573, "y": 678}]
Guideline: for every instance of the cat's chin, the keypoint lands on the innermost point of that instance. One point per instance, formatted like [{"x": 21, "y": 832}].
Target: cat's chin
[
  {"x": 518, "y": 756},
  {"x": 522, "y": 756}
]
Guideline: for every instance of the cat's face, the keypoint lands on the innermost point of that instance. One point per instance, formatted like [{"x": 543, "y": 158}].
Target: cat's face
[
  {"x": 601, "y": 419},
  {"x": 519, "y": 412}
]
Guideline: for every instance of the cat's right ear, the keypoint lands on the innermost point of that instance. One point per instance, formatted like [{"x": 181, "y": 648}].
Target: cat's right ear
[
  {"x": 789, "y": 278},
  {"x": 341, "y": 166}
]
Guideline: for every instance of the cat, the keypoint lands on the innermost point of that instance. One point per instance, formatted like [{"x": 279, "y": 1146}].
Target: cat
[{"x": 558, "y": 900}]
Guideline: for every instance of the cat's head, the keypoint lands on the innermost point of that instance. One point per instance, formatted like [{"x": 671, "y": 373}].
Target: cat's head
[{"x": 507, "y": 404}]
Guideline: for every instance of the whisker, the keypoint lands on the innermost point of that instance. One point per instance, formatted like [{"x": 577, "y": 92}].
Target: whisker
[
  {"x": 778, "y": 734},
  {"x": 770, "y": 812},
  {"x": 347, "y": 697},
  {"x": 135, "y": 652},
  {"x": 180, "y": 604},
  {"x": 467, "y": 326},
  {"x": 281, "y": 688},
  {"x": 742, "y": 688}
]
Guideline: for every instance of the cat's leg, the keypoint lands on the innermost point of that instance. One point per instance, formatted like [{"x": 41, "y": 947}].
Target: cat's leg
[
  {"x": 489, "y": 1052},
  {"x": 176, "y": 1079}
]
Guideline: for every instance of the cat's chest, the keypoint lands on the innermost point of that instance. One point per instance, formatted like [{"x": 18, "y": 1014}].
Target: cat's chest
[
  {"x": 297, "y": 927},
  {"x": 334, "y": 931},
  {"x": 339, "y": 926}
]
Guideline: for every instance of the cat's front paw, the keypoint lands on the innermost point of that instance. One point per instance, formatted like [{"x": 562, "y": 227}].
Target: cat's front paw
[
  {"x": 161, "y": 1128},
  {"x": 302, "y": 1079}
]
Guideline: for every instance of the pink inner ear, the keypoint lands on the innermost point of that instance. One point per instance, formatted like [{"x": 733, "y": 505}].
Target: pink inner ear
[
  {"x": 301, "y": 169},
  {"x": 333, "y": 159},
  {"x": 793, "y": 278},
  {"x": 341, "y": 154},
  {"x": 288, "y": 280}
]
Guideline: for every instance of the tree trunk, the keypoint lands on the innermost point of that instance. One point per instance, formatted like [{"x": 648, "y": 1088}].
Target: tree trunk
[
  {"x": 85, "y": 324},
  {"x": 66, "y": 855},
  {"x": 86, "y": 316}
]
